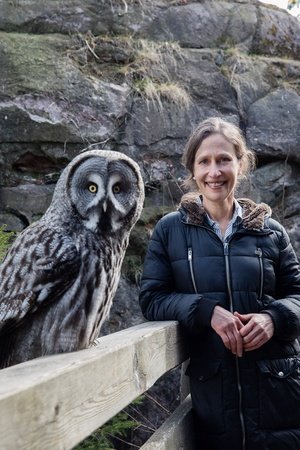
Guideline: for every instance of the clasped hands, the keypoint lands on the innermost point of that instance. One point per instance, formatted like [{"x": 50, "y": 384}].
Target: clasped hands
[{"x": 242, "y": 332}]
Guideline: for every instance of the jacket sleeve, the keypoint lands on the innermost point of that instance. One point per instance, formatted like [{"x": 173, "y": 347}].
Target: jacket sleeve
[
  {"x": 158, "y": 297},
  {"x": 285, "y": 309}
]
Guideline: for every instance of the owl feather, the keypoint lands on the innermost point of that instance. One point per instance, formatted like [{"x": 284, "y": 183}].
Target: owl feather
[{"x": 58, "y": 280}]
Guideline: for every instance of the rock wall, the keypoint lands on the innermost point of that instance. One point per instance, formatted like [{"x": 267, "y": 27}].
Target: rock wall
[{"x": 137, "y": 76}]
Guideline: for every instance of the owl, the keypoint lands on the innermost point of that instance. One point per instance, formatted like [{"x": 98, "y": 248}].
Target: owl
[{"x": 58, "y": 280}]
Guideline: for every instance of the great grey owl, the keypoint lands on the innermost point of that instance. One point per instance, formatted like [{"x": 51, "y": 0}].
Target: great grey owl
[{"x": 58, "y": 279}]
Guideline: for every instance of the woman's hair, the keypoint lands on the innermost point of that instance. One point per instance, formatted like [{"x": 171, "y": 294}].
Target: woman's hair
[{"x": 230, "y": 132}]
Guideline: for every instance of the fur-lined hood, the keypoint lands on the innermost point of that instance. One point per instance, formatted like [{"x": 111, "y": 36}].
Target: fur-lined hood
[{"x": 254, "y": 214}]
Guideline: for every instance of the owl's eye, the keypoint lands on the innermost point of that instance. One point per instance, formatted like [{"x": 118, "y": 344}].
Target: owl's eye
[
  {"x": 116, "y": 189},
  {"x": 93, "y": 188}
]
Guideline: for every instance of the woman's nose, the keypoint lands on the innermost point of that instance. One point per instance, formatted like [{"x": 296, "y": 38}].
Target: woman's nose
[{"x": 214, "y": 170}]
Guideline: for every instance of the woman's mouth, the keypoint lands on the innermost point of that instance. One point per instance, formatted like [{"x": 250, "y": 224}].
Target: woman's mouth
[{"x": 215, "y": 185}]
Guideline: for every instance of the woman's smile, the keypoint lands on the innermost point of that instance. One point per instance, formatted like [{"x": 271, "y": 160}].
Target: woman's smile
[{"x": 215, "y": 185}]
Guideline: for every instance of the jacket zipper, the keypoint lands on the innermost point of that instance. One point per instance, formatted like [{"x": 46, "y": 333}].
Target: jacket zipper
[
  {"x": 190, "y": 260},
  {"x": 258, "y": 252},
  {"x": 242, "y": 421}
]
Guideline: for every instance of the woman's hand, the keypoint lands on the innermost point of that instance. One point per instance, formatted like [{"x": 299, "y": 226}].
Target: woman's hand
[
  {"x": 228, "y": 326},
  {"x": 257, "y": 329}
]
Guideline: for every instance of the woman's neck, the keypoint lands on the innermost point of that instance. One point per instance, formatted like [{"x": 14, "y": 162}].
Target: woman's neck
[{"x": 219, "y": 213}]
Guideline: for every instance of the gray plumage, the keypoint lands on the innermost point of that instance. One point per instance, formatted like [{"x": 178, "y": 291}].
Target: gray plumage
[{"x": 59, "y": 278}]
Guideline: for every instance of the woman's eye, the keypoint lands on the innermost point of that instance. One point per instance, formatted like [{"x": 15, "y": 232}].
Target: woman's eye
[
  {"x": 93, "y": 188},
  {"x": 116, "y": 189}
]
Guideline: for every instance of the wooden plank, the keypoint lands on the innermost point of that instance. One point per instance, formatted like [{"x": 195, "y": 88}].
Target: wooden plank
[
  {"x": 56, "y": 401},
  {"x": 176, "y": 433}
]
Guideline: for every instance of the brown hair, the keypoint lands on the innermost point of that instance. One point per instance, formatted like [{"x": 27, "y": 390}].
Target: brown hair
[{"x": 231, "y": 132}]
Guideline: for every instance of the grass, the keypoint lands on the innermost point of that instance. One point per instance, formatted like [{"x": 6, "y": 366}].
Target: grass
[
  {"x": 148, "y": 67},
  {"x": 238, "y": 63},
  {"x": 156, "y": 92},
  {"x": 150, "y": 73}
]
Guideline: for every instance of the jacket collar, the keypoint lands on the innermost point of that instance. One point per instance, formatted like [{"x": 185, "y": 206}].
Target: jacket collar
[{"x": 254, "y": 214}]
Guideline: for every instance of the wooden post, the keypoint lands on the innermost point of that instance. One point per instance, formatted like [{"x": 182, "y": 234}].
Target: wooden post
[{"x": 176, "y": 433}]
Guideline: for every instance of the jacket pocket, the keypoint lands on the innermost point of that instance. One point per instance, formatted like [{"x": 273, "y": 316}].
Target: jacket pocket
[
  {"x": 279, "y": 393},
  {"x": 207, "y": 394}
]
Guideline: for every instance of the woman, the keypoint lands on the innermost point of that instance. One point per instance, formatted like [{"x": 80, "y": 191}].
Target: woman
[{"x": 228, "y": 273}]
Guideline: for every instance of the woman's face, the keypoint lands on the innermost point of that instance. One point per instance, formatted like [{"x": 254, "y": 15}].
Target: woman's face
[{"x": 216, "y": 169}]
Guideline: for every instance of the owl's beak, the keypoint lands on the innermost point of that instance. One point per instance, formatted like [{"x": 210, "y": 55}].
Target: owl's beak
[{"x": 104, "y": 206}]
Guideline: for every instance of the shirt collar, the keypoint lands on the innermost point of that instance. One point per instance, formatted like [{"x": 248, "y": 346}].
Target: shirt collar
[{"x": 237, "y": 213}]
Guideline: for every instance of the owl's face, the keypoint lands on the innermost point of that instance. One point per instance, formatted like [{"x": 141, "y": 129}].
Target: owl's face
[{"x": 105, "y": 189}]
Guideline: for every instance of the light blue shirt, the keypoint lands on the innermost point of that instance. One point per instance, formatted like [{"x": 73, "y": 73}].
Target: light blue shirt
[{"x": 232, "y": 226}]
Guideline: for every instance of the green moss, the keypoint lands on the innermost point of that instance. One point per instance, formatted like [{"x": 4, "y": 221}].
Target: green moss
[
  {"x": 34, "y": 62},
  {"x": 6, "y": 239},
  {"x": 225, "y": 42},
  {"x": 100, "y": 440},
  {"x": 132, "y": 268},
  {"x": 116, "y": 428},
  {"x": 151, "y": 214},
  {"x": 139, "y": 239}
]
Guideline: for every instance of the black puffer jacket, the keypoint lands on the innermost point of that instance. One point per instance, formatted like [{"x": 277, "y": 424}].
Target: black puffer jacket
[{"x": 252, "y": 402}]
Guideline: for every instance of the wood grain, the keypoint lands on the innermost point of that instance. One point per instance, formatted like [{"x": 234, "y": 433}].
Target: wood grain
[{"x": 56, "y": 401}]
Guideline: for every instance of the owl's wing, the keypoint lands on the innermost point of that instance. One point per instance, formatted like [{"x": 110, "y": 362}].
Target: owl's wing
[{"x": 39, "y": 268}]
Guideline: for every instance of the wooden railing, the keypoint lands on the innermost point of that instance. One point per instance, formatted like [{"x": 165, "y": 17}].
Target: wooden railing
[{"x": 56, "y": 401}]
